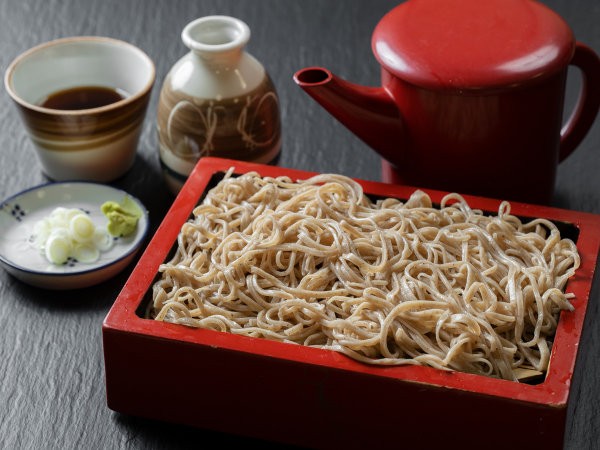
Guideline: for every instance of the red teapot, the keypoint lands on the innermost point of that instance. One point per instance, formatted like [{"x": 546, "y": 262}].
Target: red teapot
[{"x": 472, "y": 96}]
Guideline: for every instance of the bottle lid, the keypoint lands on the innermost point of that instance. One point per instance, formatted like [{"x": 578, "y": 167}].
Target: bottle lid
[{"x": 472, "y": 44}]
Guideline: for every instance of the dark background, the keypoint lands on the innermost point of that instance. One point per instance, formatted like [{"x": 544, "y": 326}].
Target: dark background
[{"x": 51, "y": 365}]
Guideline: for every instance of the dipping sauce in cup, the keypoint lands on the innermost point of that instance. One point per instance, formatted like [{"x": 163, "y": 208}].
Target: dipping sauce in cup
[
  {"x": 84, "y": 97},
  {"x": 83, "y": 101}
]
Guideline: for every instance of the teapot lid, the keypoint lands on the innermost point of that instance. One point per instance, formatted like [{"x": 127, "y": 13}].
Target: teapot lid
[{"x": 472, "y": 44}]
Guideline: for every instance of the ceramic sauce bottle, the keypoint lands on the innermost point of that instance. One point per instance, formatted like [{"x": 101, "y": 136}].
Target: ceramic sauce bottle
[{"x": 216, "y": 101}]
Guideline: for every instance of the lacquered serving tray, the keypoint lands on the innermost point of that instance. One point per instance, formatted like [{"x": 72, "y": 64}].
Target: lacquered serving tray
[{"x": 319, "y": 398}]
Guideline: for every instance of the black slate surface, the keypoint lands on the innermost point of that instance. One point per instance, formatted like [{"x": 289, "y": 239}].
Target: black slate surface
[{"x": 51, "y": 365}]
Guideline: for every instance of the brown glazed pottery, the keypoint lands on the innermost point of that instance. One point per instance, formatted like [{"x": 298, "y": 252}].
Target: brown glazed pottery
[
  {"x": 216, "y": 101},
  {"x": 89, "y": 141}
]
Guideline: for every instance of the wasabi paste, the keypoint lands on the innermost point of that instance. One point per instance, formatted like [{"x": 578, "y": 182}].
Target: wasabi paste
[{"x": 122, "y": 217}]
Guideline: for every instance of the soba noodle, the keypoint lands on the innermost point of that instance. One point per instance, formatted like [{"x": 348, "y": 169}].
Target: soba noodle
[{"x": 318, "y": 263}]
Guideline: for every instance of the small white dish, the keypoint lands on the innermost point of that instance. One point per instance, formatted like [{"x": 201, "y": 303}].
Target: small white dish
[{"x": 22, "y": 259}]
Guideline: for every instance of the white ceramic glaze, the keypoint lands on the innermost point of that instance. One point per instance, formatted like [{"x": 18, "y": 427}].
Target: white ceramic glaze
[
  {"x": 21, "y": 258},
  {"x": 97, "y": 144},
  {"x": 216, "y": 66}
]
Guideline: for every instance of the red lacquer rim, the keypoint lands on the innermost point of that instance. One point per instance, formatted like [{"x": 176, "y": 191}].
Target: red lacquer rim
[{"x": 553, "y": 391}]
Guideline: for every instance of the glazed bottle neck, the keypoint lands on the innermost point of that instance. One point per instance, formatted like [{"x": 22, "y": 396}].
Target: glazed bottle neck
[
  {"x": 216, "y": 40},
  {"x": 219, "y": 60}
]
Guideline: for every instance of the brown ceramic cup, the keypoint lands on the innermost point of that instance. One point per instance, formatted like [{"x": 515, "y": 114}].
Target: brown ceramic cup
[{"x": 96, "y": 143}]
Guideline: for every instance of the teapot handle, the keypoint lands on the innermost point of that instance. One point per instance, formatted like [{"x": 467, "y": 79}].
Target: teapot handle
[{"x": 582, "y": 118}]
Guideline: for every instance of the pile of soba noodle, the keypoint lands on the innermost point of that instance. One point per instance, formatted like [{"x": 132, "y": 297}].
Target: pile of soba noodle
[{"x": 318, "y": 263}]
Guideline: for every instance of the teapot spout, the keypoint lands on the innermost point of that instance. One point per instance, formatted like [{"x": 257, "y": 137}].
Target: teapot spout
[{"x": 369, "y": 112}]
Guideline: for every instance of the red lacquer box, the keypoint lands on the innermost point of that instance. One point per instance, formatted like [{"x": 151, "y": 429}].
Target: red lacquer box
[{"x": 319, "y": 398}]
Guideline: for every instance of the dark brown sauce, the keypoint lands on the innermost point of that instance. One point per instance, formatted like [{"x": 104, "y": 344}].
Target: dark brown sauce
[{"x": 83, "y": 97}]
